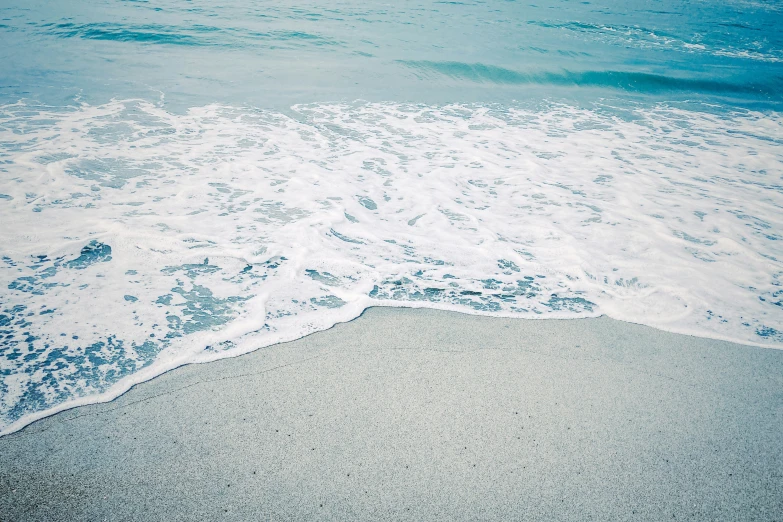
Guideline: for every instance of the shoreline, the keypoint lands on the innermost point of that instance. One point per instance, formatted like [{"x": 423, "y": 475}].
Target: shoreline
[
  {"x": 147, "y": 374},
  {"x": 414, "y": 413}
]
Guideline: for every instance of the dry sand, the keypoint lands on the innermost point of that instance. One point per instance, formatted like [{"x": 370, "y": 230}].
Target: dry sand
[{"x": 422, "y": 415}]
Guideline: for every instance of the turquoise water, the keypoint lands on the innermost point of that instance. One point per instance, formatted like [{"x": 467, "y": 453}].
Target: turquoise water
[
  {"x": 182, "y": 181},
  {"x": 272, "y": 55}
]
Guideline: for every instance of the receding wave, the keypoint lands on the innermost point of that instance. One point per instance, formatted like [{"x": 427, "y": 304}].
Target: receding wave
[
  {"x": 224, "y": 229},
  {"x": 622, "y": 80}
]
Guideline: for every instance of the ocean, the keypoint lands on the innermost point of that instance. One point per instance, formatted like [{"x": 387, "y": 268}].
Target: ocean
[{"x": 182, "y": 181}]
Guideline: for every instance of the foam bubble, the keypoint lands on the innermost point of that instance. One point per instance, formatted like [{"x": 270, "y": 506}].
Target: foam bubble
[{"x": 135, "y": 239}]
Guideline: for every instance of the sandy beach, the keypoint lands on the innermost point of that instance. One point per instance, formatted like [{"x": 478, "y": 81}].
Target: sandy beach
[
  {"x": 391, "y": 261},
  {"x": 406, "y": 414}
]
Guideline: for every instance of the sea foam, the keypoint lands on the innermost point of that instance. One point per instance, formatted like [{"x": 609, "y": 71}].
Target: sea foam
[{"x": 135, "y": 239}]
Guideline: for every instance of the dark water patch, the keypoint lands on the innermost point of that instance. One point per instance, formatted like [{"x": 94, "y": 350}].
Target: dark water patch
[
  {"x": 507, "y": 266},
  {"x": 37, "y": 283},
  {"x": 186, "y": 35},
  {"x": 368, "y": 203},
  {"x": 328, "y": 301},
  {"x": 151, "y": 33},
  {"x": 413, "y": 221},
  {"x": 31, "y": 285},
  {"x": 201, "y": 310},
  {"x": 687, "y": 237},
  {"x": 572, "y": 304},
  {"x": 769, "y": 333},
  {"x": 93, "y": 252},
  {"x": 191, "y": 270},
  {"x": 323, "y": 277},
  {"x": 274, "y": 262}
]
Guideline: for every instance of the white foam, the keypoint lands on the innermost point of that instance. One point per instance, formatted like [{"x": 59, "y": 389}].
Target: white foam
[{"x": 660, "y": 216}]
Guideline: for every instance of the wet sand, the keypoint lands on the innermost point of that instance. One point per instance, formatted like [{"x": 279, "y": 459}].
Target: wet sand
[{"x": 407, "y": 414}]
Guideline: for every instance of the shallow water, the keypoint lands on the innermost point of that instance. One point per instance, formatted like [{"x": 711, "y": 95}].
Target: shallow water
[{"x": 182, "y": 182}]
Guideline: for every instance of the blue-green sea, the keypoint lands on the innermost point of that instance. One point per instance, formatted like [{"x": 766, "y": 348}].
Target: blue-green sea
[{"x": 183, "y": 180}]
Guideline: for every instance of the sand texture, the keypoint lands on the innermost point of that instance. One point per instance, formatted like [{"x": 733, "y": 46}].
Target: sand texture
[{"x": 409, "y": 414}]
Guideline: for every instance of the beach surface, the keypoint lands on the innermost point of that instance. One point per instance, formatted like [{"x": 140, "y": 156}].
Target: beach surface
[{"x": 415, "y": 414}]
